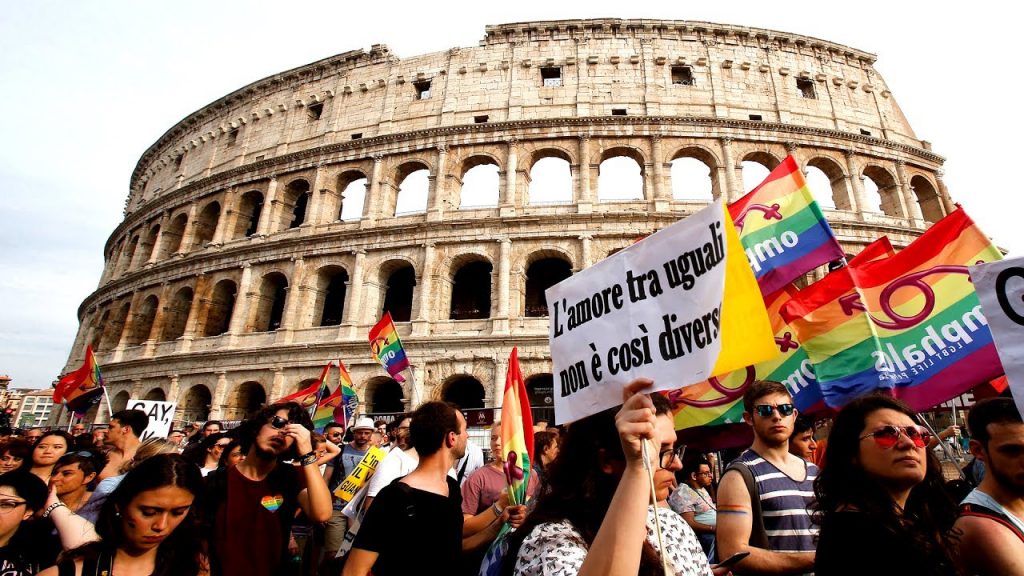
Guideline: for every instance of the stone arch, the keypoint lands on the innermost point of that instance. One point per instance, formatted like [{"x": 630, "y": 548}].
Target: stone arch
[
  {"x": 755, "y": 167},
  {"x": 249, "y": 397},
  {"x": 351, "y": 194},
  {"x": 294, "y": 204},
  {"x": 471, "y": 282},
  {"x": 543, "y": 271},
  {"x": 270, "y": 302},
  {"x": 142, "y": 321},
  {"x": 384, "y": 395},
  {"x": 411, "y": 188},
  {"x": 398, "y": 281},
  {"x": 149, "y": 245},
  {"x": 113, "y": 331},
  {"x": 196, "y": 404},
  {"x": 97, "y": 335},
  {"x": 928, "y": 198},
  {"x": 835, "y": 177},
  {"x": 621, "y": 174},
  {"x": 479, "y": 182},
  {"x": 221, "y": 308},
  {"x": 176, "y": 315},
  {"x": 206, "y": 225},
  {"x": 120, "y": 401},
  {"x": 694, "y": 174},
  {"x": 463, "y": 390},
  {"x": 549, "y": 177},
  {"x": 129, "y": 254},
  {"x": 331, "y": 288},
  {"x": 156, "y": 395},
  {"x": 888, "y": 196},
  {"x": 247, "y": 220},
  {"x": 171, "y": 239}
]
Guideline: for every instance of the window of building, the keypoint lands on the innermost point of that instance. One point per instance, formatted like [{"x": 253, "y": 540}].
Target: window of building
[
  {"x": 682, "y": 75},
  {"x": 756, "y": 117},
  {"x": 357, "y": 135},
  {"x": 806, "y": 88},
  {"x": 422, "y": 89},
  {"x": 551, "y": 76},
  {"x": 865, "y": 132},
  {"x": 480, "y": 119},
  {"x": 177, "y": 161},
  {"x": 315, "y": 110},
  {"x": 233, "y": 137},
  {"x": 618, "y": 111}
]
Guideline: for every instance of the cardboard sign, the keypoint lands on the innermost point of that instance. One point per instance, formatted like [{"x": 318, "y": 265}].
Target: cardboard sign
[
  {"x": 366, "y": 467},
  {"x": 161, "y": 415},
  {"x": 678, "y": 307},
  {"x": 1000, "y": 287}
]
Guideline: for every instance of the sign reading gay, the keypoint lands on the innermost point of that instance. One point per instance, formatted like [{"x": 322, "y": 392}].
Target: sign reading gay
[{"x": 678, "y": 307}]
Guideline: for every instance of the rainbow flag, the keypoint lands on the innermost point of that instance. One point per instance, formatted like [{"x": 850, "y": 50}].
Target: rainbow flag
[
  {"x": 878, "y": 250},
  {"x": 931, "y": 340},
  {"x": 340, "y": 406},
  {"x": 516, "y": 431},
  {"x": 782, "y": 229},
  {"x": 387, "y": 347},
  {"x": 82, "y": 388},
  {"x": 710, "y": 415},
  {"x": 311, "y": 396}
]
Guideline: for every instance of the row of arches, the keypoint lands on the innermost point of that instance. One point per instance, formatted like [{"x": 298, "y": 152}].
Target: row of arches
[{"x": 530, "y": 173}]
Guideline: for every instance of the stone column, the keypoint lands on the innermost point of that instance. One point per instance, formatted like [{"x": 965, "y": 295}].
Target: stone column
[
  {"x": 173, "y": 389},
  {"x": 353, "y": 297},
  {"x": 267, "y": 213},
  {"x": 277, "y": 384},
  {"x": 424, "y": 293},
  {"x": 584, "y": 192},
  {"x": 189, "y": 231},
  {"x": 129, "y": 323},
  {"x": 437, "y": 194},
  {"x": 510, "y": 201},
  {"x": 200, "y": 304},
  {"x": 158, "y": 319},
  {"x": 154, "y": 255},
  {"x": 860, "y": 200},
  {"x": 500, "y": 372},
  {"x": 947, "y": 201},
  {"x": 220, "y": 392},
  {"x": 500, "y": 323},
  {"x": 317, "y": 198},
  {"x": 225, "y": 220},
  {"x": 373, "y": 204},
  {"x": 913, "y": 208},
  {"x": 243, "y": 299},
  {"x": 732, "y": 190},
  {"x": 293, "y": 302},
  {"x": 586, "y": 251},
  {"x": 662, "y": 192}
]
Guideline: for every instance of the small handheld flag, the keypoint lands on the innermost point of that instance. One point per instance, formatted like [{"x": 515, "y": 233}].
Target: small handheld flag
[{"x": 387, "y": 347}]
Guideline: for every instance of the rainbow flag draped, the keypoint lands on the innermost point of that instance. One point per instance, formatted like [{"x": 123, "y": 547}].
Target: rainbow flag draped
[
  {"x": 387, "y": 347},
  {"x": 82, "y": 388},
  {"x": 340, "y": 406},
  {"x": 516, "y": 431},
  {"x": 710, "y": 415},
  {"x": 312, "y": 395},
  {"x": 878, "y": 250},
  {"x": 782, "y": 229},
  {"x": 933, "y": 339}
]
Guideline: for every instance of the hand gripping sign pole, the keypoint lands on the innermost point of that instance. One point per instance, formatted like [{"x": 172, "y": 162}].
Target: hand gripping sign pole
[{"x": 654, "y": 502}]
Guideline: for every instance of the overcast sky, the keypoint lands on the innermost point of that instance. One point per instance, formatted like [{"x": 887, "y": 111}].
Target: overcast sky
[{"x": 86, "y": 87}]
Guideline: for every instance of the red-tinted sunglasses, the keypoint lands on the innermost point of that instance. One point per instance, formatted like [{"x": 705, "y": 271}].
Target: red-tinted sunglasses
[{"x": 887, "y": 436}]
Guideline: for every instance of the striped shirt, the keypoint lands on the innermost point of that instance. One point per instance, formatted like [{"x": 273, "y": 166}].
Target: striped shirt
[{"x": 784, "y": 504}]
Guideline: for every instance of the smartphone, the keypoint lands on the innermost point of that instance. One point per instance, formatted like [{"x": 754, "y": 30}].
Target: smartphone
[{"x": 732, "y": 560}]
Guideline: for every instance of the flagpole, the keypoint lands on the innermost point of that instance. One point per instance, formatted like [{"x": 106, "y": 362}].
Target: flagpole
[
  {"x": 414, "y": 392},
  {"x": 945, "y": 448},
  {"x": 110, "y": 407}
]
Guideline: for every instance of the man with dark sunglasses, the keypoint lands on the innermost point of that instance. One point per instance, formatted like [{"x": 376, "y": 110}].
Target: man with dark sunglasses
[
  {"x": 764, "y": 495},
  {"x": 991, "y": 523}
]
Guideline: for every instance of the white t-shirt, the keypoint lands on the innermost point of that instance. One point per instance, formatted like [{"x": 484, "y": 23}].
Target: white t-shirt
[
  {"x": 473, "y": 459},
  {"x": 396, "y": 464}
]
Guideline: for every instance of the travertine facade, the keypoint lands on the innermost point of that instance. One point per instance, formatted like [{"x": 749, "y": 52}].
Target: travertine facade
[{"x": 233, "y": 278}]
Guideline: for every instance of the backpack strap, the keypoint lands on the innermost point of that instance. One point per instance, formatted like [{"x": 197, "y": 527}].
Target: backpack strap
[
  {"x": 758, "y": 536},
  {"x": 462, "y": 470},
  {"x": 979, "y": 511}
]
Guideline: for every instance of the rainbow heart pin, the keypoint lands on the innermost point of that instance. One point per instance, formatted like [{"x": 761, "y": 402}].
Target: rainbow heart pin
[{"x": 272, "y": 503}]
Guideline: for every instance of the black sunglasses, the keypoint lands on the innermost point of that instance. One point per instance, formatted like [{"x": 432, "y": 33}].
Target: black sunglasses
[
  {"x": 765, "y": 410},
  {"x": 278, "y": 422}
]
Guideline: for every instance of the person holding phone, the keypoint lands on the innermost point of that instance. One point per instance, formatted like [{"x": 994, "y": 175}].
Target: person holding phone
[{"x": 880, "y": 499}]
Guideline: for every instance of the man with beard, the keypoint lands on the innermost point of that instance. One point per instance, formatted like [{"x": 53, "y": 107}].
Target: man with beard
[
  {"x": 991, "y": 523},
  {"x": 765, "y": 493},
  {"x": 249, "y": 508}
]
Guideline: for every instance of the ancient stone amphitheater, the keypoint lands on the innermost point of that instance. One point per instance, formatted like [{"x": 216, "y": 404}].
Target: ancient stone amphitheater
[{"x": 265, "y": 233}]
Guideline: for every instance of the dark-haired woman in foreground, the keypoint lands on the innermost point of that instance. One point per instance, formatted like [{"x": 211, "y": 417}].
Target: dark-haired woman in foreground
[
  {"x": 880, "y": 499},
  {"x": 148, "y": 525}
]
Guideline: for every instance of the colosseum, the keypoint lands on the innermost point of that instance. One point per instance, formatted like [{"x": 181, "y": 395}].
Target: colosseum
[{"x": 264, "y": 234}]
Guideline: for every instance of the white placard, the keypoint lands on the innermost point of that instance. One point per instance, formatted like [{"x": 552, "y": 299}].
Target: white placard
[
  {"x": 1000, "y": 287},
  {"x": 161, "y": 414}
]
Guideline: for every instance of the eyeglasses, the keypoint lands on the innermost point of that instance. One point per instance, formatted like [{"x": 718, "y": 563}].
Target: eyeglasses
[
  {"x": 765, "y": 410},
  {"x": 8, "y": 505},
  {"x": 887, "y": 436},
  {"x": 708, "y": 473},
  {"x": 278, "y": 422},
  {"x": 668, "y": 456}
]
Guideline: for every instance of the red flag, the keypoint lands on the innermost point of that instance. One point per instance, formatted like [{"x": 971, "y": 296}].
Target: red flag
[
  {"x": 310, "y": 396},
  {"x": 81, "y": 388}
]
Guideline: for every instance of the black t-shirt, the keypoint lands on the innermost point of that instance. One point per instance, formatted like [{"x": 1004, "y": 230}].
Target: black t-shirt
[
  {"x": 411, "y": 529},
  {"x": 854, "y": 543},
  {"x": 23, "y": 555}
]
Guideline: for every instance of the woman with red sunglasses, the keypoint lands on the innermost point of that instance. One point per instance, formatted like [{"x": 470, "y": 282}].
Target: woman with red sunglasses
[{"x": 880, "y": 499}]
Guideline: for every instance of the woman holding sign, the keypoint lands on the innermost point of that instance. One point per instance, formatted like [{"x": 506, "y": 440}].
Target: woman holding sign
[{"x": 596, "y": 515}]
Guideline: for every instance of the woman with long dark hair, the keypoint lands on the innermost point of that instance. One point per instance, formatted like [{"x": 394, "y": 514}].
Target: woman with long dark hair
[
  {"x": 148, "y": 526},
  {"x": 880, "y": 499},
  {"x": 50, "y": 447}
]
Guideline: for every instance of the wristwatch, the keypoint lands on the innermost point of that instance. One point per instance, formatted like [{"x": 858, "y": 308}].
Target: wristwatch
[{"x": 308, "y": 459}]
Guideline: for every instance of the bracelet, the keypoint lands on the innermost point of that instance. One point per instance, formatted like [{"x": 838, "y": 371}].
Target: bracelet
[
  {"x": 497, "y": 512},
  {"x": 308, "y": 459},
  {"x": 51, "y": 508}
]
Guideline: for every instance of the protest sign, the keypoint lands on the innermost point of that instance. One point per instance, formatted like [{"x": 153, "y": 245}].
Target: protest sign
[
  {"x": 678, "y": 307},
  {"x": 161, "y": 414},
  {"x": 1000, "y": 287},
  {"x": 366, "y": 467}
]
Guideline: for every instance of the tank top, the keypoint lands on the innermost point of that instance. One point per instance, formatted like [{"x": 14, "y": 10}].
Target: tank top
[{"x": 784, "y": 504}]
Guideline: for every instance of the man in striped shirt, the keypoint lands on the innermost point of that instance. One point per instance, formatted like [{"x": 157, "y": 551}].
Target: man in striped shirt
[{"x": 772, "y": 523}]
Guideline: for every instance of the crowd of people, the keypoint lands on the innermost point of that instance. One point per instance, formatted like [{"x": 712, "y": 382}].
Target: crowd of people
[{"x": 609, "y": 494}]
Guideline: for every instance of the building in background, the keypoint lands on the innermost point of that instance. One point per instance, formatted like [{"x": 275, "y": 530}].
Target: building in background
[{"x": 34, "y": 409}]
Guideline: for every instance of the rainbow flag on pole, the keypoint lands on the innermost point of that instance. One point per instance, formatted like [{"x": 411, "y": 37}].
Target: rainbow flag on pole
[
  {"x": 311, "y": 396},
  {"x": 878, "y": 250},
  {"x": 340, "y": 406},
  {"x": 387, "y": 347},
  {"x": 516, "y": 432},
  {"x": 82, "y": 388},
  {"x": 782, "y": 230}
]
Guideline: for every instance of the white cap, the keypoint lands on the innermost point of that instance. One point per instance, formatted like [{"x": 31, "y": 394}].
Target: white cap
[{"x": 363, "y": 423}]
